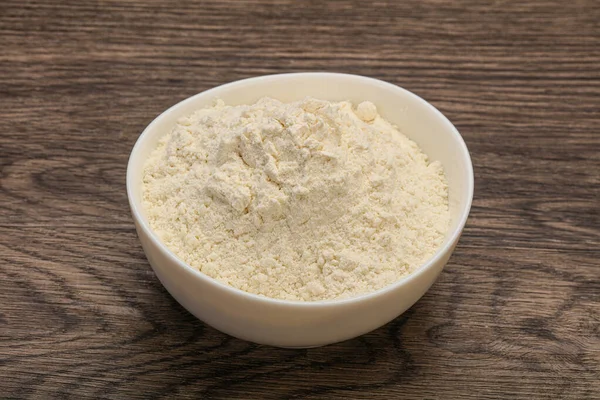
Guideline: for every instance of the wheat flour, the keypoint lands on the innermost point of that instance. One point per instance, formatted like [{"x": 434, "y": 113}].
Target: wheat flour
[{"x": 309, "y": 200}]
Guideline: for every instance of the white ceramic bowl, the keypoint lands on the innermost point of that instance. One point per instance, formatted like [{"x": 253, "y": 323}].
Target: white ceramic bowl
[{"x": 307, "y": 324}]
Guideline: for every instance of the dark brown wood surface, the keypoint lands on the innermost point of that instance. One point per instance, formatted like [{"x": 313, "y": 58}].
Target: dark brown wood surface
[{"x": 516, "y": 312}]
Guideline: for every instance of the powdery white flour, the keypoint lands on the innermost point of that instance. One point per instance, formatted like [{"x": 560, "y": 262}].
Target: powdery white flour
[{"x": 309, "y": 200}]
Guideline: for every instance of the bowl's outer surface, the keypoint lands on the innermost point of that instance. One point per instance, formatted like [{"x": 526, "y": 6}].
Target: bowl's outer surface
[{"x": 297, "y": 324}]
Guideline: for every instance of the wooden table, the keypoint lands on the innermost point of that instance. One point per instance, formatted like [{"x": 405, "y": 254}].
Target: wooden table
[{"x": 516, "y": 312}]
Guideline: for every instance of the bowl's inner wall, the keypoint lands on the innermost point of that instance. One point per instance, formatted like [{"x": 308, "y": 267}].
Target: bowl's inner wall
[{"x": 414, "y": 117}]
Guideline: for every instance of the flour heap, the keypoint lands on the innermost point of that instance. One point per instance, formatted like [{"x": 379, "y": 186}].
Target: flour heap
[{"x": 305, "y": 201}]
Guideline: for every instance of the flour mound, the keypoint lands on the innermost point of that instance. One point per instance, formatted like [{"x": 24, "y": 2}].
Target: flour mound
[{"x": 309, "y": 200}]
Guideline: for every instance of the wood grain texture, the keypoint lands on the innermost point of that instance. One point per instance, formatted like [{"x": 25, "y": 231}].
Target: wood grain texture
[{"x": 516, "y": 312}]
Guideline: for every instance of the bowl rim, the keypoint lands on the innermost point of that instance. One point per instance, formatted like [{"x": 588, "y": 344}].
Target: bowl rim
[{"x": 405, "y": 280}]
